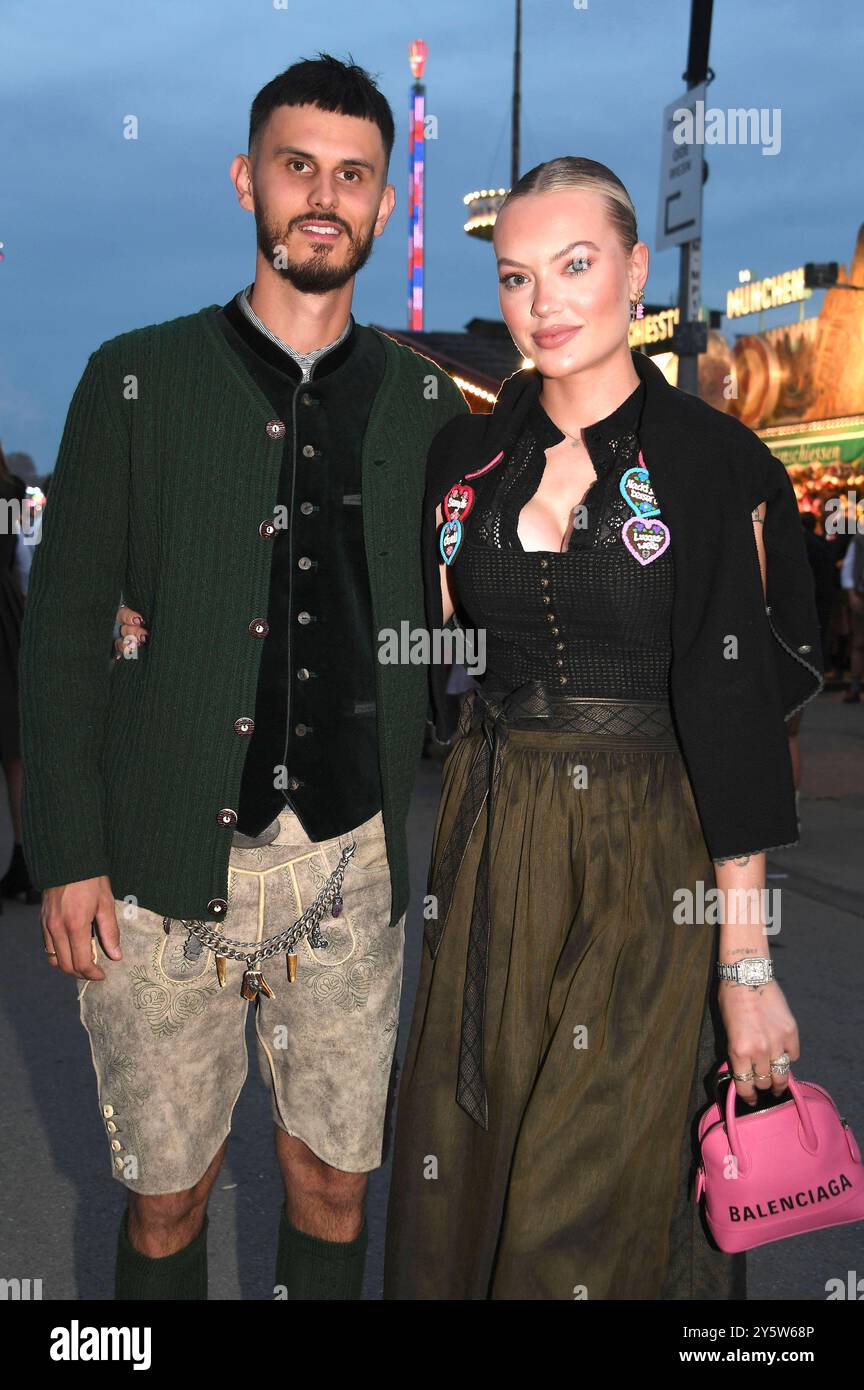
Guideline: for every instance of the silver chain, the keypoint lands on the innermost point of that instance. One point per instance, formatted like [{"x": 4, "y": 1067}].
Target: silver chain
[{"x": 307, "y": 925}]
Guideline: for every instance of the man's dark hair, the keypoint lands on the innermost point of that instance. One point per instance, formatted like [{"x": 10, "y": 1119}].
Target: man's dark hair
[{"x": 330, "y": 84}]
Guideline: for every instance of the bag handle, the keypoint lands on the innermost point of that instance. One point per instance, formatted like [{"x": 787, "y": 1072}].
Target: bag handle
[{"x": 806, "y": 1134}]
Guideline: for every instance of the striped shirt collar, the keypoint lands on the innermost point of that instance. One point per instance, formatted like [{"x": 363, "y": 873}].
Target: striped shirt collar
[{"x": 305, "y": 360}]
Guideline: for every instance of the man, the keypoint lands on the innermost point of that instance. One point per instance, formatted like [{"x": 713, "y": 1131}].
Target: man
[{"x": 212, "y": 470}]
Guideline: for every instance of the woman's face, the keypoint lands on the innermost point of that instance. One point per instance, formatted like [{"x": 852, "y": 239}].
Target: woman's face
[{"x": 565, "y": 281}]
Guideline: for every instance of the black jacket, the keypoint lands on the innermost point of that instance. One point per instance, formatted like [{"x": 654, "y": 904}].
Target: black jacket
[{"x": 708, "y": 471}]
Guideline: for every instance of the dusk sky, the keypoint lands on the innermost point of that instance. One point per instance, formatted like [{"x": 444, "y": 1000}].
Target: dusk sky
[{"x": 103, "y": 234}]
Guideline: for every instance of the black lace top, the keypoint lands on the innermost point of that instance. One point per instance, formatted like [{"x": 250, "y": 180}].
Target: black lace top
[{"x": 591, "y": 620}]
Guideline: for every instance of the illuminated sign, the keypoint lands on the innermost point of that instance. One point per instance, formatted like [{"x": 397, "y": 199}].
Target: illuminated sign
[
  {"x": 752, "y": 298},
  {"x": 654, "y": 327}
]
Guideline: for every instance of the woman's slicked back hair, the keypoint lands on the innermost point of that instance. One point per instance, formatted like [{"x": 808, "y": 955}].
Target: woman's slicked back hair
[{"x": 571, "y": 171}]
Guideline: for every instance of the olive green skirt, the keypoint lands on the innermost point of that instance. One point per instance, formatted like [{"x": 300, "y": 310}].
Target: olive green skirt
[{"x": 600, "y": 1040}]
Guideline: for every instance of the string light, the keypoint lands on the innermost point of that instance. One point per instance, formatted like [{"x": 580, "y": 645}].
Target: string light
[{"x": 474, "y": 390}]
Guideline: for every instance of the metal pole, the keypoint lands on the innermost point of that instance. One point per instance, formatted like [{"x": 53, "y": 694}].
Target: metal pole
[
  {"x": 517, "y": 97},
  {"x": 690, "y": 271}
]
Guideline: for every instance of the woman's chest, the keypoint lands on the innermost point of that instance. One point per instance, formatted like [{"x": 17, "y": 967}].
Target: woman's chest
[
  {"x": 557, "y": 505},
  {"x": 551, "y": 500}
]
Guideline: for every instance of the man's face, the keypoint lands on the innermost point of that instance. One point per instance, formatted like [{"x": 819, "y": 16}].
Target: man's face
[{"x": 318, "y": 194}]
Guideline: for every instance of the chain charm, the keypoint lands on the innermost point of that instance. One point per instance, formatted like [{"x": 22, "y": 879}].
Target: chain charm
[
  {"x": 192, "y": 948},
  {"x": 308, "y": 925}
]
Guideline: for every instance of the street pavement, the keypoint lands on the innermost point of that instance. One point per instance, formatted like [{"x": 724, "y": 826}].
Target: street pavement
[{"x": 60, "y": 1208}]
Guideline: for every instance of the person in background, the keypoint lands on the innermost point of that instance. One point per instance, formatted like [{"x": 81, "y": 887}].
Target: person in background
[
  {"x": 839, "y": 638},
  {"x": 16, "y": 881},
  {"x": 852, "y": 580},
  {"x": 824, "y": 570},
  {"x": 821, "y": 557}
]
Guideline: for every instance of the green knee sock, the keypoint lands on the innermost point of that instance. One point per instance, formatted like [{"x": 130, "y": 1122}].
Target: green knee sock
[
  {"x": 312, "y": 1269},
  {"x": 182, "y": 1275}
]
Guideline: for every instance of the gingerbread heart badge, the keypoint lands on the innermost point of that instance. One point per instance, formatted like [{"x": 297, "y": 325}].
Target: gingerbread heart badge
[
  {"x": 637, "y": 491},
  {"x": 458, "y": 502},
  {"x": 451, "y": 539},
  {"x": 645, "y": 539}
]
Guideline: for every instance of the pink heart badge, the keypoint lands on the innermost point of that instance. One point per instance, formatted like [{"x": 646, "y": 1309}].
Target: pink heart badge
[{"x": 645, "y": 539}]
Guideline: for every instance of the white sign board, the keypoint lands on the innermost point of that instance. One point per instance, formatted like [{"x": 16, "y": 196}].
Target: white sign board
[{"x": 679, "y": 210}]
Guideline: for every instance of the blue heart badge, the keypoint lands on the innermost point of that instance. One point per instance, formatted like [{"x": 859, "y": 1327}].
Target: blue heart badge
[
  {"x": 451, "y": 539},
  {"x": 636, "y": 489}
]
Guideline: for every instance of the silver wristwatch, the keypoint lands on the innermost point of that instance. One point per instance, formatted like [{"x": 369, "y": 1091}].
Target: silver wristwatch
[{"x": 752, "y": 971}]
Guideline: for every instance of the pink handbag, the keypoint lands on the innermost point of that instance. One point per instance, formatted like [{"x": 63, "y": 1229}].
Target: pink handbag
[{"x": 793, "y": 1167}]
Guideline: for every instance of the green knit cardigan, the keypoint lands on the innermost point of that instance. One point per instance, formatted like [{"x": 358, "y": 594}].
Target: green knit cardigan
[{"x": 165, "y": 471}]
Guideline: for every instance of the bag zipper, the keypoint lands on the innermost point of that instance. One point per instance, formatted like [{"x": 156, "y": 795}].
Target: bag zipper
[{"x": 700, "y": 1167}]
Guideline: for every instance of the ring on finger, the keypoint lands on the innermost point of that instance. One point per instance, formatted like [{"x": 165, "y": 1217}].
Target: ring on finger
[{"x": 743, "y": 1076}]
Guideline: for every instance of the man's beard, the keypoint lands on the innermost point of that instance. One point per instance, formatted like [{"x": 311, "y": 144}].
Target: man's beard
[{"x": 315, "y": 275}]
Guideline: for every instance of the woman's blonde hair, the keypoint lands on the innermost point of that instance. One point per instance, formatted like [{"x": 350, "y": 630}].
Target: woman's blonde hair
[{"x": 588, "y": 176}]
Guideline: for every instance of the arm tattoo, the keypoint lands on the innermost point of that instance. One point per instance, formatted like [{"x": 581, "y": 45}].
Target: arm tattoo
[
  {"x": 742, "y": 860},
  {"x": 756, "y": 517}
]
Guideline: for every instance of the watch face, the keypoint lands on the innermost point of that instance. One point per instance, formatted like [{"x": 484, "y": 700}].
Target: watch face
[{"x": 753, "y": 972}]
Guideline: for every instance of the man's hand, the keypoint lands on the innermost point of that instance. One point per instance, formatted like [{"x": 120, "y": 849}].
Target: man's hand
[
  {"x": 133, "y": 633},
  {"x": 68, "y": 913}
]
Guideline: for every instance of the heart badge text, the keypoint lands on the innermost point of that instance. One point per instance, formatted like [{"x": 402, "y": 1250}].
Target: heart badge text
[
  {"x": 646, "y": 540},
  {"x": 458, "y": 502},
  {"x": 451, "y": 539},
  {"x": 636, "y": 489}
]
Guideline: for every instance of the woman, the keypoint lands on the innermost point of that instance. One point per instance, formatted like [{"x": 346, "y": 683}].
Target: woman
[{"x": 562, "y": 1025}]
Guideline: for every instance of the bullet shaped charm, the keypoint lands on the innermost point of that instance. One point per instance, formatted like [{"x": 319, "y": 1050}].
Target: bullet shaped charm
[
  {"x": 265, "y": 988},
  {"x": 220, "y": 971},
  {"x": 291, "y": 963}
]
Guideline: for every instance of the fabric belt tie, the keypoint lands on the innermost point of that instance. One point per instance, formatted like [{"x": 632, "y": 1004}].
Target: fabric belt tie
[{"x": 495, "y": 713}]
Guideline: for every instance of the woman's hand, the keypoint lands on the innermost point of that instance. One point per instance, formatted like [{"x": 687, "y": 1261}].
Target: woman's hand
[
  {"x": 759, "y": 1026},
  {"x": 133, "y": 633}
]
